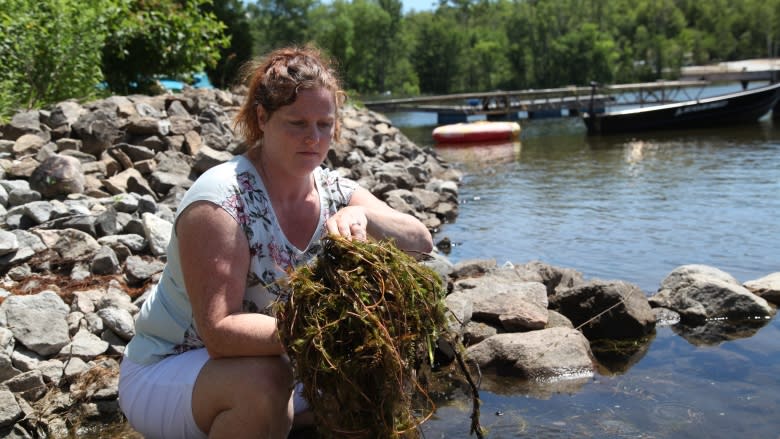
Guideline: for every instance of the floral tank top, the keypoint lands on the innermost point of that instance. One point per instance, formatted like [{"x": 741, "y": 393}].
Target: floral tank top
[{"x": 165, "y": 324}]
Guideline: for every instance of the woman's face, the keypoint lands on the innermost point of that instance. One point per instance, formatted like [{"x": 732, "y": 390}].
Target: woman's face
[{"x": 297, "y": 137}]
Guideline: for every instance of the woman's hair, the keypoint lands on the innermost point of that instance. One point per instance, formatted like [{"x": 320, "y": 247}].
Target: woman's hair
[{"x": 275, "y": 80}]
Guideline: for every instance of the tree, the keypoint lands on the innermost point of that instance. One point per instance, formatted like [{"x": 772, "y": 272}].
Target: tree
[
  {"x": 437, "y": 55},
  {"x": 161, "y": 37},
  {"x": 233, "y": 14},
  {"x": 277, "y": 23}
]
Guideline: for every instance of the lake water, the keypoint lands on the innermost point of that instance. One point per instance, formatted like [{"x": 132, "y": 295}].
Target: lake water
[{"x": 630, "y": 208}]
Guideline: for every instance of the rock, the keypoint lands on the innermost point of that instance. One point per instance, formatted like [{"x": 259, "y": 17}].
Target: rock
[
  {"x": 29, "y": 385},
  {"x": 10, "y": 411},
  {"x": 24, "y": 122},
  {"x": 59, "y": 175},
  {"x": 8, "y": 243},
  {"x": 460, "y": 310},
  {"x": 767, "y": 287},
  {"x": 157, "y": 232},
  {"x": 28, "y": 143},
  {"x": 537, "y": 355},
  {"x": 475, "y": 332},
  {"x": 37, "y": 321},
  {"x": 84, "y": 345},
  {"x": 606, "y": 309},
  {"x": 700, "y": 292},
  {"x": 554, "y": 278},
  {"x": 119, "y": 321},
  {"x": 505, "y": 301},
  {"x": 98, "y": 131}
]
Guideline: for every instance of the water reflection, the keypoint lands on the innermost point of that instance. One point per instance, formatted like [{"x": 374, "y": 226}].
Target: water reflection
[
  {"x": 616, "y": 357},
  {"x": 716, "y": 331},
  {"x": 537, "y": 388},
  {"x": 473, "y": 156}
]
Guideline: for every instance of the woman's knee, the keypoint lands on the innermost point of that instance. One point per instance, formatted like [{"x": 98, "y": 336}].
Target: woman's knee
[
  {"x": 272, "y": 375},
  {"x": 256, "y": 388},
  {"x": 262, "y": 380}
]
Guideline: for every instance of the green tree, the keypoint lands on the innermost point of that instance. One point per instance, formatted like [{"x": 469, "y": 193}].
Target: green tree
[
  {"x": 437, "y": 53},
  {"x": 233, "y": 14},
  {"x": 50, "y": 50},
  {"x": 582, "y": 56},
  {"x": 365, "y": 37},
  {"x": 161, "y": 37},
  {"x": 277, "y": 23}
]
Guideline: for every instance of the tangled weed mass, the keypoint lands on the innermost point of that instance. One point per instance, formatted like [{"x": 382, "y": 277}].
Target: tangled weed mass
[{"x": 360, "y": 322}]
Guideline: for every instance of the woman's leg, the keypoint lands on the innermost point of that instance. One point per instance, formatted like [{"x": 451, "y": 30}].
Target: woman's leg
[{"x": 244, "y": 397}]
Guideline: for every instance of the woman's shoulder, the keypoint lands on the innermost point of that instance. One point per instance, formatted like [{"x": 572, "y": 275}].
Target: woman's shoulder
[{"x": 218, "y": 182}]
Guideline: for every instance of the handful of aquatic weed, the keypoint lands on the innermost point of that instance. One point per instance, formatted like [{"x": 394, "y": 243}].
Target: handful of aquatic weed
[{"x": 356, "y": 325}]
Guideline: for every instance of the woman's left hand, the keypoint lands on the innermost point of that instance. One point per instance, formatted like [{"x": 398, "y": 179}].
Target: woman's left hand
[{"x": 349, "y": 222}]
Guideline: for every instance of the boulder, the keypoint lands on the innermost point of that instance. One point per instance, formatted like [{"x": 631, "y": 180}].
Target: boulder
[
  {"x": 545, "y": 354},
  {"x": 700, "y": 292},
  {"x": 606, "y": 309}
]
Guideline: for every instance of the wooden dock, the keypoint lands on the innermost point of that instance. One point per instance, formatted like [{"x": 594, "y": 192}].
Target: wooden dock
[
  {"x": 554, "y": 102},
  {"x": 496, "y": 105}
]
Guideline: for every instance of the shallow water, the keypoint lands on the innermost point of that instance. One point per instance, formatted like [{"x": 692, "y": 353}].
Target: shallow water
[{"x": 631, "y": 208}]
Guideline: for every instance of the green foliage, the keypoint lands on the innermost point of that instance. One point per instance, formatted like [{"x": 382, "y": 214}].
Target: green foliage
[
  {"x": 278, "y": 23},
  {"x": 233, "y": 14},
  {"x": 438, "y": 64},
  {"x": 57, "y": 49},
  {"x": 50, "y": 50},
  {"x": 161, "y": 37}
]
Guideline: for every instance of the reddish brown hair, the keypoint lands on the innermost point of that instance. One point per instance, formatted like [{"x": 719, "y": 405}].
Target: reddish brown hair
[{"x": 275, "y": 80}]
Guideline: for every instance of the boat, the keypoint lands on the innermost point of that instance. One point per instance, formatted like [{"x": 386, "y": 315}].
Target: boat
[
  {"x": 732, "y": 108},
  {"x": 475, "y": 132}
]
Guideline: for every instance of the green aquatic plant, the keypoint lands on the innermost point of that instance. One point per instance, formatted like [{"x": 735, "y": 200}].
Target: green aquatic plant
[{"x": 359, "y": 323}]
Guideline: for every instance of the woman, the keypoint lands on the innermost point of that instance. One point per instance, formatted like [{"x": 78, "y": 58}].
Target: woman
[{"x": 206, "y": 360}]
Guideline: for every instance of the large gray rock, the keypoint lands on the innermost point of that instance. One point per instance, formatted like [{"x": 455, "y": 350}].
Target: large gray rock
[
  {"x": 37, "y": 321},
  {"x": 606, "y": 309},
  {"x": 700, "y": 292},
  {"x": 502, "y": 299},
  {"x": 543, "y": 354}
]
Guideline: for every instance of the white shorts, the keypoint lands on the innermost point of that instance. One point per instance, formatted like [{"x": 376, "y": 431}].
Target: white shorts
[{"x": 157, "y": 398}]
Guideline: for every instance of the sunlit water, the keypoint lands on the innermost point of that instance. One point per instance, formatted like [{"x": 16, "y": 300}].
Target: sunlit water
[{"x": 631, "y": 208}]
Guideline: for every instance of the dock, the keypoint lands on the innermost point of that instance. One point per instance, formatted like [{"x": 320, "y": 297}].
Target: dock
[
  {"x": 542, "y": 103},
  {"x": 496, "y": 105}
]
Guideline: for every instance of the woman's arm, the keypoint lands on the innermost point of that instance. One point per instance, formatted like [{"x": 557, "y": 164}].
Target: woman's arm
[
  {"x": 366, "y": 214},
  {"x": 214, "y": 254}
]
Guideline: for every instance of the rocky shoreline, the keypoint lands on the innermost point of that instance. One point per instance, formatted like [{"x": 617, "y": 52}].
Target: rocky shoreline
[{"x": 87, "y": 198}]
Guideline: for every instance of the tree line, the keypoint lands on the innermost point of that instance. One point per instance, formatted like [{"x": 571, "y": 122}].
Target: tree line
[{"x": 56, "y": 49}]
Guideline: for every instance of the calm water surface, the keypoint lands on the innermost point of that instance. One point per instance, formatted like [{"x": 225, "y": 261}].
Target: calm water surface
[{"x": 631, "y": 208}]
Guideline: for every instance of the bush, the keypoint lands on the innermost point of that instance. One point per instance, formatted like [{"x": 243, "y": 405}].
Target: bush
[
  {"x": 50, "y": 50},
  {"x": 53, "y": 50}
]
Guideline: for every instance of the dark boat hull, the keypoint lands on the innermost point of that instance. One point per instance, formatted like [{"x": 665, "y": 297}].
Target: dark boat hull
[{"x": 740, "y": 107}]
